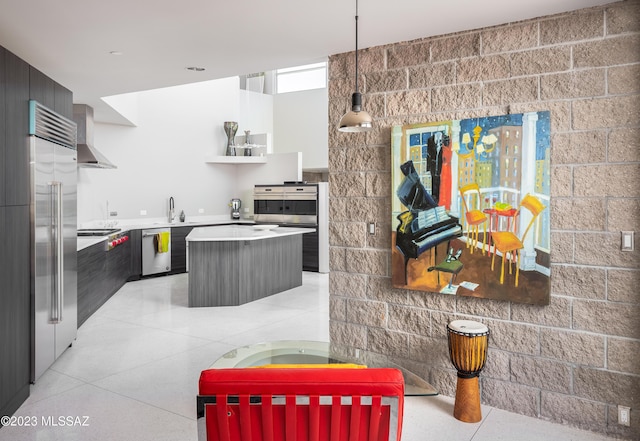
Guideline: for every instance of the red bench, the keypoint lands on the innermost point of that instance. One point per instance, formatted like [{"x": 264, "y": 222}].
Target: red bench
[{"x": 300, "y": 404}]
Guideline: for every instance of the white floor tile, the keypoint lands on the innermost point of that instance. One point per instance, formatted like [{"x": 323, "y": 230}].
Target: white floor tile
[{"x": 134, "y": 368}]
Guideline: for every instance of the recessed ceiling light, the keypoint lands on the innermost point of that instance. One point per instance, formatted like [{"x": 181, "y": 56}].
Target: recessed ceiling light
[
  {"x": 195, "y": 68},
  {"x": 116, "y": 52}
]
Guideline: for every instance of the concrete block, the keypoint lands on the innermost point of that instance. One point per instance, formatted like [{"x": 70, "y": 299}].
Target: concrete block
[
  {"x": 624, "y": 145},
  {"x": 510, "y": 38},
  {"x": 433, "y": 301},
  {"x": 497, "y": 366},
  {"x": 562, "y": 248},
  {"x": 623, "y": 17},
  {"x": 366, "y": 261},
  {"x": 456, "y": 97},
  {"x": 608, "y": 52},
  {"x": 623, "y": 214},
  {"x": 378, "y": 184},
  {"x": 560, "y": 408},
  {"x": 492, "y": 67},
  {"x": 402, "y": 55},
  {"x": 482, "y": 307},
  {"x": 434, "y": 351},
  {"x": 337, "y": 308},
  {"x": 608, "y": 246},
  {"x": 573, "y": 347},
  {"x": 405, "y": 103},
  {"x": 579, "y": 282},
  {"x": 623, "y": 355},
  {"x": 619, "y": 111},
  {"x": 606, "y": 318},
  {"x": 455, "y": 47},
  {"x": 387, "y": 80},
  {"x": 347, "y": 184},
  {"x": 347, "y": 234},
  {"x": 337, "y": 259},
  {"x": 616, "y": 180},
  {"x": 379, "y": 288},
  {"x": 348, "y": 285},
  {"x": 382, "y": 341},
  {"x": 623, "y": 79},
  {"x": 409, "y": 320},
  {"x": 538, "y": 61},
  {"x": 557, "y": 313},
  {"x": 580, "y": 84},
  {"x": 347, "y": 334},
  {"x": 561, "y": 180},
  {"x": 520, "y": 90},
  {"x": 511, "y": 397},
  {"x": 540, "y": 373},
  {"x": 580, "y": 25},
  {"x": 369, "y": 159},
  {"x": 513, "y": 337},
  {"x": 425, "y": 76},
  {"x": 578, "y": 214},
  {"x": 366, "y": 312},
  {"x": 608, "y": 387},
  {"x": 622, "y": 286},
  {"x": 579, "y": 147}
]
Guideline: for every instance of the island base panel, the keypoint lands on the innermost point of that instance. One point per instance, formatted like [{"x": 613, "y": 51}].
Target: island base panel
[{"x": 230, "y": 273}]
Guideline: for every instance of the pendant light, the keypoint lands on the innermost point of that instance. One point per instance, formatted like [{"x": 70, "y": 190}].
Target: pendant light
[{"x": 356, "y": 120}]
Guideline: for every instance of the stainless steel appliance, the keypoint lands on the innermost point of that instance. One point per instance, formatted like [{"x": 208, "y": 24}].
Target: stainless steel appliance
[
  {"x": 97, "y": 231},
  {"x": 299, "y": 205},
  {"x": 53, "y": 235},
  {"x": 235, "y": 208},
  {"x": 155, "y": 258}
]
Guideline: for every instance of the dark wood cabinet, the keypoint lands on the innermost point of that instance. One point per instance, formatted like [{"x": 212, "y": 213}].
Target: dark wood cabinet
[
  {"x": 135, "y": 239},
  {"x": 15, "y": 310},
  {"x": 179, "y": 249},
  {"x": 310, "y": 249},
  {"x": 101, "y": 273},
  {"x": 3, "y": 125},
  {"x": 42, "y": 88},
  {"x": 16, "y": 130},
  {"x": 18, "y": 83}
]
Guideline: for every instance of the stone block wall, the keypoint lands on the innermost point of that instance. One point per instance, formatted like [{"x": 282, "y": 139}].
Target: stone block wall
[{"x": 575, "y": 360}]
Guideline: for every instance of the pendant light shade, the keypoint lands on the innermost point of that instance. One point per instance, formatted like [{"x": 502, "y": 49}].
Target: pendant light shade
[{"x": 356, "y": 120}]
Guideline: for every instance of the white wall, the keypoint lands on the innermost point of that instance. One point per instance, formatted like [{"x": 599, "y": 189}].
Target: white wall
[
  {"x": 300, "y": 121},
  {"x": 164, "y": 155}
]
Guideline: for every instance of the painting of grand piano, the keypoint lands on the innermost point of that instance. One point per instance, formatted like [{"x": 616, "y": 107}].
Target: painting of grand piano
[{"x": 470, "y": 207}]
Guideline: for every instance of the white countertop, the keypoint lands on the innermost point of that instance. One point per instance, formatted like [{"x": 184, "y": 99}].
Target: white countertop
[
  {"x": 87, "y": 241},
  {"x": 241, "y": 232}
]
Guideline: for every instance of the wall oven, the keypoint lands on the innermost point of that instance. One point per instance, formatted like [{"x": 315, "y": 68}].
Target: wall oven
[{"x": 298, "y": 205}]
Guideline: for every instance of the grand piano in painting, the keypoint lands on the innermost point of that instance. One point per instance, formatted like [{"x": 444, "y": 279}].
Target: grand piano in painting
[{"x": 425, "y": 224}]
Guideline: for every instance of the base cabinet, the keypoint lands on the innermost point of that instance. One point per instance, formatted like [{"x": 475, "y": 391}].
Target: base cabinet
[{"x": 101, "y": 274}]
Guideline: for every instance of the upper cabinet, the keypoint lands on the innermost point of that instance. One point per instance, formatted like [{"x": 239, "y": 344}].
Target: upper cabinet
[
  {"x": 15, "y": 147},
  {"x": 49, "y": 93}
]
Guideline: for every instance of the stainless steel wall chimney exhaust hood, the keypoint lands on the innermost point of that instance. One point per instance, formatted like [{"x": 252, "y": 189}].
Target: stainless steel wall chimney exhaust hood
[{"x": 88, "y": 155}]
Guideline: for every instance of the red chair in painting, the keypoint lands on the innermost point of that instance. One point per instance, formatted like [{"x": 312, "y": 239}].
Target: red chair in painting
[
  {"x": 300, "y": 404},
  {"x": 507, "y": 241},
  {"x": 473, "y": 218}
]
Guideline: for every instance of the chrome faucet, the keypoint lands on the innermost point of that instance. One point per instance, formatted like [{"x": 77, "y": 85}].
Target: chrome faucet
[{"x": 172, "y": 207}]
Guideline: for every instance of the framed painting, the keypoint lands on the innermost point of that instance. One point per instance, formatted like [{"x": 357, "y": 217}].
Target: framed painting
[{"x": 470, "y": 207}]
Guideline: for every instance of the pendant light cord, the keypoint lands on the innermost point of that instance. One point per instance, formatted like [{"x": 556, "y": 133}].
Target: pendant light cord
[{"x": 356, "y": 46}]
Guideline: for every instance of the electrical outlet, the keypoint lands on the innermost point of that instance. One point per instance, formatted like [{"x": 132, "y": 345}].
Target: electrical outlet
[
  {"x": 201, "y": 210},
  {"x": 624, "y": 416},
  {"x": 143, "y": 212},
  {"x": 372, "y": 228},
  {"x": 113, "y": 213}
]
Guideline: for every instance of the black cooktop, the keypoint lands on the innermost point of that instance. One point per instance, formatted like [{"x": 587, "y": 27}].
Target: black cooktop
[{"x": 97, "y": 231}]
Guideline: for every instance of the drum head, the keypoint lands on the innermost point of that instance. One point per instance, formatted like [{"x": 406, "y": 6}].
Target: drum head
[{"x": 468, "y": 327}]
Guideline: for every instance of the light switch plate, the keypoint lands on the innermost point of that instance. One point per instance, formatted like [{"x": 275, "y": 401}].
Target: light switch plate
[{"x": 627, "y": 241}]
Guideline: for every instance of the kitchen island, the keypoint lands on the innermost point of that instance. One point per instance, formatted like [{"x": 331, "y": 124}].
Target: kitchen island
[{"x": 234, "y": 264}]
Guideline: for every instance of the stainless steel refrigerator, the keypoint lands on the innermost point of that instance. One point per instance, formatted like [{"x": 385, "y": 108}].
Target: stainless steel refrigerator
[{"x": 53, "y": 235}]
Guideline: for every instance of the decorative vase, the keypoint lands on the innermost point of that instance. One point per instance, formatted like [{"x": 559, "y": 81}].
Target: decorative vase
[
  {"x": 230, "y": 128},
  {"x": 247, "y": 143}
]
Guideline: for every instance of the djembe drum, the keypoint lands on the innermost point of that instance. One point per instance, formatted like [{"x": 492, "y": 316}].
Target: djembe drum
[{"x": 468, "y": 351}]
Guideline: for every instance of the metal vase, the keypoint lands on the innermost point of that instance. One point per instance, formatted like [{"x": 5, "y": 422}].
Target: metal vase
[{"x": 230, "y": 128}]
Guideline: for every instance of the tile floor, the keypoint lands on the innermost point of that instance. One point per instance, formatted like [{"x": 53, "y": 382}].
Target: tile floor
[{"x": 134, "y": 368}]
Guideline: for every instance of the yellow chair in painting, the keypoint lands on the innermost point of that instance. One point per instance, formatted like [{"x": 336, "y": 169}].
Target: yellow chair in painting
[
  {"x": 508, "y": 242},
  {"x": 473, "y": 217}
]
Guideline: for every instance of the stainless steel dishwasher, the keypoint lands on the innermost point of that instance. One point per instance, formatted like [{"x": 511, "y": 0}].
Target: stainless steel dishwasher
[{"x": 156, "y": 251}]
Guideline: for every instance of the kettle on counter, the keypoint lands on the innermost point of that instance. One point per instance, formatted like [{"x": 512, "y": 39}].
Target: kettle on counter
[{"x": 235, "y": 205}]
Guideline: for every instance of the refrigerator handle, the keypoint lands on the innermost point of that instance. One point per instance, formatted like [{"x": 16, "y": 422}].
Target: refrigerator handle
[{"x": 57, "y": 225}]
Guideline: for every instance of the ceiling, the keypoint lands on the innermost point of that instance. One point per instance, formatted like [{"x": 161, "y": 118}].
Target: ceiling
[{"x": 158, "y": 39}]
